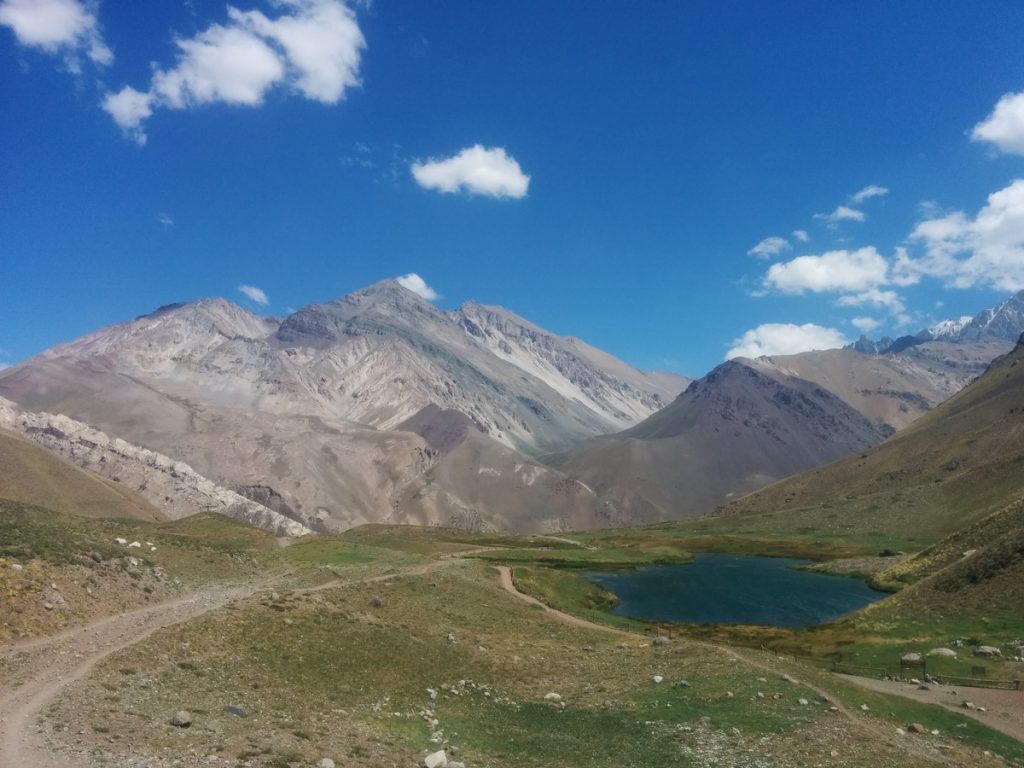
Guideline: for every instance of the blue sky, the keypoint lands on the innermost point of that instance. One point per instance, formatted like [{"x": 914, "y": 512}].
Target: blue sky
[{"x": 607, "y": 170}]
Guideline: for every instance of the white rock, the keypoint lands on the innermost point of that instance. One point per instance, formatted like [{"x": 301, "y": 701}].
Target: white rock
[
  {"x": 436, "y": 759},
  {"x": 134, "y": 545},
  {"x": 121, "y": 541},
  {"x": 657, "y": 678},
  {"x": 552, "y": 696}
]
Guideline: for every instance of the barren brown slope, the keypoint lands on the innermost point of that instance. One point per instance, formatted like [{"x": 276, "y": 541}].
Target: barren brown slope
[
  {"x": 475, "y": 482},
  {"x": 953, "y": 466},
  {"x": 33, "y": 475},
  {"x": 888, "y": 389},
  {"x": 739, "y": 428}
]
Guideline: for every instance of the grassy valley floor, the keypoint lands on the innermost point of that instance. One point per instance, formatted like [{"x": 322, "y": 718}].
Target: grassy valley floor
[{"x": 385, "y": 645}]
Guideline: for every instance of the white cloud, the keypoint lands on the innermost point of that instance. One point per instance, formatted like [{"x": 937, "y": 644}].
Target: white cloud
[
  {"x": 65, "y": 27},
  {"x": 1005, "y": 126},
  {"x": 165, "y": 219},
  {"x": 785, "y": 339},
  {"x": 322, "y": 43},
  {"x": 220, "y": 64},
  {"x": 255, "y": 294},
  {"x": 986, "y": 251},
  {"x": 801, "y": 235},
  {"x": 477, "y": 170},
  {"x": 129, "y": 108},
  {"x": 841, "y": 213},
  {"x": 314, "y": 47},
  {"x": 770, "y": 246},
  {"x": 838, "y": 271},
  {"x": 417, "y": 285},
  {"x": 874, "y": 297},
  {"x": 865, "y": 324},
  {"x": 872, "y": 190}
]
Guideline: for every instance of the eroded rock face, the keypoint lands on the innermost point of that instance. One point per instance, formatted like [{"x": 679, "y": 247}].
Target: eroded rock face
[{"x": 172, "y": 486}]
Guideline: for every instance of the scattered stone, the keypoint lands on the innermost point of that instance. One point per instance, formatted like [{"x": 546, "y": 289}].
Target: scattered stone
[
  {"x": 552, "y": 696},
  {"x": 436, "y": 760},
  {"x": 48, "y": 605},
  {"x": 16, "y": 566},
  {"x": 728, "y": 694},
  {"x": 451, "y": 637},
  {"x": 916, "y": 728},
  {"x": 802, "y": 702},
  {"x": 237, "y": 711},
  {"x": 456, "y": 765},
  {"x": 120, "y": 541},
  {"x": 989, "y": 651},
  {"x": 376, "y": 603},
  {"x": 182, "y": 719},
  {"x": 657, "y": 679},
  {"x": 967, "y": 705},
  {"x": 789, "y": 679},
  {"x": 135, "y": 545},
  {"x": 900, "y": 732},
  {"x": 759, "y": 695},
  {"x": 865, "y": 708},
  {"x": 923, "y": 687},
  {"x": 948, "y": 653},
  {"x": 325, "y": 762},
  {"x": 834, "y": 753},
  {"x": 96, "y": 557},
  {"x": 911, "y": 658},
  {"x": 660, "y": 640},
  {"x": 681, "y": 683},
  {"x": 735, "y": 731}
]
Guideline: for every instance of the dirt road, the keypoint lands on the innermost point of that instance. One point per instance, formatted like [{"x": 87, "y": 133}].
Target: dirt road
[
  {"x": 1004, "y": 710},
  {"x": 70, "y": 656},
  {"x": 52, "y": 664}
]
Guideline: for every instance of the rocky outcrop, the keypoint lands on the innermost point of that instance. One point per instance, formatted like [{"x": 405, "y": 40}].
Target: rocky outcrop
[{"x": 172, "y": 486}]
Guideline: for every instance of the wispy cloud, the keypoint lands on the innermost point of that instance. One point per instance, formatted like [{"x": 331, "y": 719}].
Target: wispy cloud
[
  {"x": 865, "y": 324},
  {"x": 255, "y": 294},
  {"x": 801, "y": 235},
  {"x": 418, "y": 285},
  {"x": 313, "y": 48},
  {"x": 872, "y": 190},
  {"x": 67, "y": 28},
  {"x": 477, "y": 170},
  {"x": 841, "y": 213},
  {"x": 784, "y": 339},
  {"x": 165, "y": 220},
  {"x": 770, "y": 246}
]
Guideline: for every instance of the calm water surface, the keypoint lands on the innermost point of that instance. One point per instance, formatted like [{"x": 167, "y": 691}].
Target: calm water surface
[{"x": 731, "y": 589}]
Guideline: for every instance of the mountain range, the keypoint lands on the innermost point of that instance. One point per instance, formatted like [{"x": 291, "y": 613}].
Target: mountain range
[{"x": 381, "y": 407}]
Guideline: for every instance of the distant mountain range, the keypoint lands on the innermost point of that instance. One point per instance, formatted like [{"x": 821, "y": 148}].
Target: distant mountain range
[
  {"x": 380, "y": 407},
  {"x": 311, "y": 405},
  {"x": 1000, "y": 324}
]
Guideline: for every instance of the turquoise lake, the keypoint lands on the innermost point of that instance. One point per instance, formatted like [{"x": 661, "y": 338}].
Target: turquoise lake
[{"x": 733, "y": 589}]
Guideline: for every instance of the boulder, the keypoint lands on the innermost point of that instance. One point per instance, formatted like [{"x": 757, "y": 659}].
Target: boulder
[
  {"x": 325, "y": 762},
  {"x": 182, "y": 719},
  {"x": 556, "y": 697},
  {"x": 436, "y": 760},
  {"x": 911, "y": 658},
  {"x": 660, "y": 640},
  {"x": 237, "y": 711},
  {"x": 916, "y": 728},
  {"x": 947, "y": 653},
  {"x": 988, "y": 651}
]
